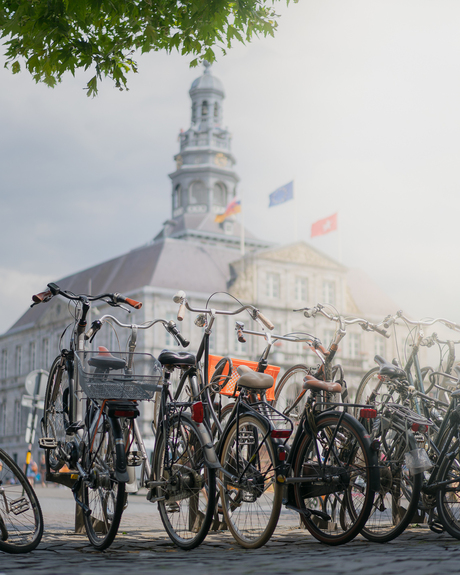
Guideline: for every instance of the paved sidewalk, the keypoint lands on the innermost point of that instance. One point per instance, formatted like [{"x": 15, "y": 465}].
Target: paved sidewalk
[{"x": 142, "y": 547}]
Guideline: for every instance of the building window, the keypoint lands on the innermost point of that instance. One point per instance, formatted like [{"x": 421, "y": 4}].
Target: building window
[
  {"x": 4, "y": 364},
  {"x": 329, "y": 292},
  {"x": 219, "y": 195},
  {"x": 193, "y": 112},
  {"x": 354, "y": 342},
  {"x": 379, "y": 346},
  {"x": 273, "y": 285},
  {"x": 301, "y": 289},
  {"x": 32, "y": 356},
  {"x": 45, "y": 353},
  {"x": 204, "y": 108},
  {"x": 329, "y": 335},
  {"x": 3, "y": 428},
  {"x": 177, "y": 196},
  {"x": 18, "y": 360},
  {"x": 17, "y": 417},
  {"x": 216, "y": 111},
  {"x": 198, "y": 193}
]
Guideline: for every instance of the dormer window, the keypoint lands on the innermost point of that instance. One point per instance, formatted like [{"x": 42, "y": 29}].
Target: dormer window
[{"x": 204, "y": 108}]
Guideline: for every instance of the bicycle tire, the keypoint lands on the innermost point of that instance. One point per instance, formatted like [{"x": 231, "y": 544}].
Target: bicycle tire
[
  {"x": 448, "y": 496},
  {"x": 57, "y": 413},
  {"x": 347, "y": 502},
  {"x": 370, "y": 383},
  {"x": 289, "y": 388},
  {"x": 21, "y": 519},
  {"x": 102, "y": 493},
  {"x": 251, "y": 506},
  {"x": 396, "y": 501},
  {"x": 188, "y": 485}
]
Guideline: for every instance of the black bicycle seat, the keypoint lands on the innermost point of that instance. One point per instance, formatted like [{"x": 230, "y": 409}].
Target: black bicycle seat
[
  {"x": 389, "y": 369},
  {"x": 107, "y": 362},
  {"x": 168, "y": 357}
]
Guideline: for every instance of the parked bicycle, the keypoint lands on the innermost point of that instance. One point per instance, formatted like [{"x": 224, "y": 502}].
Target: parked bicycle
[
  {"x": 92, "y": 447},
  {"x": 329, "y": 475},
  {"x": 21, "y": 519}
]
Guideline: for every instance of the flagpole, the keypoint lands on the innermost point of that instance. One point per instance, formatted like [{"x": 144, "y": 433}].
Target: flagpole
[
  {"x": 339, "y": 240},
  {"x": 296, "y": 215}
]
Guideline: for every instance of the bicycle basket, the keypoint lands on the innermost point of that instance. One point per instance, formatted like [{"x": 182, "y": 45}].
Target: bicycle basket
[
  {"x": 103, "y": 375},
  {"x": 229, "y": 387}
]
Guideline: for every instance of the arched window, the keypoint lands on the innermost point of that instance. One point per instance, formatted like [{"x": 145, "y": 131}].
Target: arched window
[
  {"x": 219, "y": 194},
  {"x": 198, "y": 193},
  {"x": 177, "y": 196},
  {"x": 204, "y": 108},
  {"x": 216, "y": 111},
  {"x": 193, "y": 112}
]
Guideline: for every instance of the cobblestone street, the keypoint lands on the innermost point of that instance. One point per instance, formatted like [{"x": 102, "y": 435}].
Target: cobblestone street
[{"x": 143, "y": 546}]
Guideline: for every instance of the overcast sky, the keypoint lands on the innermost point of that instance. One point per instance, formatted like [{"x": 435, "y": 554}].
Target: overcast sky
[{"x": 357, "y": 101}]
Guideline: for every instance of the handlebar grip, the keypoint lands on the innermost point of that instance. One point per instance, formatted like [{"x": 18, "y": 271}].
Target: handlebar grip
[
  {"x": 380, "y": 331},
  {"x": 388, "y": 322},
  {"x": 181, "y": 312},
  {"x": 133, "y": 303},
  {"x": 267, "y": 323},
  {"x": 184, "y": 342},
  {"x": 39, "y": 297}
]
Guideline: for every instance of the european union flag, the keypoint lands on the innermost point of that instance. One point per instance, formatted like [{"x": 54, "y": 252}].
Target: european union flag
[{"x": 282, "y": 194}]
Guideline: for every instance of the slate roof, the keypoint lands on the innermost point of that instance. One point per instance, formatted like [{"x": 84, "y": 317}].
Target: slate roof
[{"x": 168, "y": 263}]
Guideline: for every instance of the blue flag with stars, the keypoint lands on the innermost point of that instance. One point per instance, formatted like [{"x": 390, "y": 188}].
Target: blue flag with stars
[{"x": 282, "y": 194}]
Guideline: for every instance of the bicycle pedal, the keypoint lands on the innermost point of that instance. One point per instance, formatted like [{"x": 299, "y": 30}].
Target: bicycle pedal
[
  {"x": 321, "y": 514},
  {"x": 47, "y": 443},
  {"x": 436, "y": 527}
]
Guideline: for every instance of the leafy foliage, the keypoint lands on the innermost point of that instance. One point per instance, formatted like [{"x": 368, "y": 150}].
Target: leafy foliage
[{"x": 56, "y": 36}]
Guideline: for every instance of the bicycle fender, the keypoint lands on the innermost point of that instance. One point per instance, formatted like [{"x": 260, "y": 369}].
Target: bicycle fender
[
  {"x": 208, "y": 447},
  {"x": 121, "y": 470}
]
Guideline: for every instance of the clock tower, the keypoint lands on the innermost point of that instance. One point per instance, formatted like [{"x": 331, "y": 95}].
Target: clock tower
[{"x": 204, "y": 180}]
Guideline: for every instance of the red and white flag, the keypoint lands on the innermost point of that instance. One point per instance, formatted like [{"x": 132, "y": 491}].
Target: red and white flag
[{"x": 324, "y": 226}]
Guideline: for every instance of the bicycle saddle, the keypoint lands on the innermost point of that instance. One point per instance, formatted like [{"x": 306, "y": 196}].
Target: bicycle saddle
[
  {"x": 253, "y": 379},
  {"x": 168, "y": 357},
  {"x": 389, "y": 369},
  {"x": 310, "y": 382},
  {"x": 106, "y": 362}
]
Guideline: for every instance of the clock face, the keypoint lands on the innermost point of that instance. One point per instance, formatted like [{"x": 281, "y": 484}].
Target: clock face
[
  {"x": 179, "y": 161},
  {"x": 220, "y": 159}
]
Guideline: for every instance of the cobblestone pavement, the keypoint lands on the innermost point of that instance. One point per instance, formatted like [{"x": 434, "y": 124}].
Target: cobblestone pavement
[{"x": 143, "y": 546}]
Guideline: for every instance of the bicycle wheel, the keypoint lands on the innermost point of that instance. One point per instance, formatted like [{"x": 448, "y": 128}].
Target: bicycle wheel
[
  {"x": 251, "y": 503},
  {"x": 57, "y": 413},
  {"x": 448, "y": 496},
  {"x": 21, "y": 519},
  {"x": 340, "y": 468},
  {"x": 397, "y": 499},
  {"x": 186, "y": 486},
  {"x": 288, "y": 389},
  {"x": 371, "y": 385},
  {"x": 102, "y": 493}
]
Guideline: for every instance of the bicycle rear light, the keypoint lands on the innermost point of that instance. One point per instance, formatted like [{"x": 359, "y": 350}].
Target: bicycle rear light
[
  {"x": 125, "y": 413},
  {"x": 280, "y": 433},
  {"x": 198, "y": 412},
  {"x": 282, "y": 453},
  {"x": 368, "y": 413},
  {"x": 419, "y": 427}
]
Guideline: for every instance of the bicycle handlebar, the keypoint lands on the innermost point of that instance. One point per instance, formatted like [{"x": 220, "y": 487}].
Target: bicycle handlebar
[
  {"x": 181, "y": 298},
  {"x": 54, "y": 289},
  {"x": 389, "y": 320},
  {"x": 343, "y": 321}
]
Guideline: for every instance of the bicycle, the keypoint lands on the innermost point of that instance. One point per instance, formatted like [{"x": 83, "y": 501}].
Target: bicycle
[
  {"x": 92, "y": 447},
  {"x": 21, "y": 519},
  {"x": 289, "y": 394},
  {"x": 330, "y": 463},
  {"x": 179, "y": 477},
  {"x": 374, "y": 383}
]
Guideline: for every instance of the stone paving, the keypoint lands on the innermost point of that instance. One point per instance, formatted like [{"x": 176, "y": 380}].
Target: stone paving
[{"x": 143, "y": 546}]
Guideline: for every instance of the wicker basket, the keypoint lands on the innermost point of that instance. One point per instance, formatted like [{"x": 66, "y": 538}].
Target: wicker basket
[
  {"x": 229, "y": 387},
  {"x": 100, "y": 383}
]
